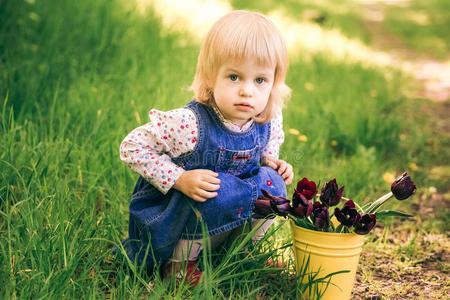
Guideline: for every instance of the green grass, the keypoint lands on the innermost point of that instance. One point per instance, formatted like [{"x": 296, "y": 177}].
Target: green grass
[
  {"x": 76, "y": 77},
  {"x": 422, "y": 25}
]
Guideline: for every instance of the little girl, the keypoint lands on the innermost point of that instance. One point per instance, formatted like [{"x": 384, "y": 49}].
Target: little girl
[{"x": 209, "y": 160}]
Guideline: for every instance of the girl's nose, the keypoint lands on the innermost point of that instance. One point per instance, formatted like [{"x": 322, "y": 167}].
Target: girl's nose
[{"x": 245, "y": 90}]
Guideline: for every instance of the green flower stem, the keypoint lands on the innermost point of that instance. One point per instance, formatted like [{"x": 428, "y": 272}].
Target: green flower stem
[
  {"x": 380, "y": 201},
  {"x": 339, "y": 228},
  {"x": 344, "y": 199},
  {"x": 365, "y": 206},
  {"x": 331, "y": 227}
]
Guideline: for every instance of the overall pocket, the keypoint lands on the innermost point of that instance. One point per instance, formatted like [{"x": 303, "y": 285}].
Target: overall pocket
[{"x": 235, "y": 162}]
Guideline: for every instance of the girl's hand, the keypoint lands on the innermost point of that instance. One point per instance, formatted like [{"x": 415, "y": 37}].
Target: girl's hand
[
  {"x": 284, "y": 169},
  {"x": 198, "y": 184}
]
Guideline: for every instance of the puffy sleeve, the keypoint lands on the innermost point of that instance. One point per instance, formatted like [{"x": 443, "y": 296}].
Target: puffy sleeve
[
  {"x": 276, "y": 138},
  {"x": 149, "y": 149}
]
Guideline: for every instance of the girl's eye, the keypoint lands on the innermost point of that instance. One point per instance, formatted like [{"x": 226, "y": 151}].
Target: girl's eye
[
  {"x": 259, "y": 80},
  {"x": 233, "y": 77}
]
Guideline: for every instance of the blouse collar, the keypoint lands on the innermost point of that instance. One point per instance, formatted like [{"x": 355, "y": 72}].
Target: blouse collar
[{"x": 230, "y": 125}]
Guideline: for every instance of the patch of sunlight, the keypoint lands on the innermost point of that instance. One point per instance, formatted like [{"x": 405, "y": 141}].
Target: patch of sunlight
[
  {"x": 333, "y": 7},
  {"x": 192, "y": 16},
  {"x": 403, "y": 3},
  {"x": 314, "y": 39},
  {"x": 419, "y": 18},
  {"x": 303, "y": 39},
  {"x": 440, "y": 172}
]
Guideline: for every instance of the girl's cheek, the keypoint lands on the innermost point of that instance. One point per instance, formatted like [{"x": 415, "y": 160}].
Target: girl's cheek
[{"x": 266, "y": 88}]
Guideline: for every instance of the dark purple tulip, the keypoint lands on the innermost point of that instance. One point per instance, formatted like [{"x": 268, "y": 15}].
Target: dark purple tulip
[
  {"x": 321, "y": 215},
  {"x": 348, "y": 215},
  {"x": 403, "y": 187},
  {"x": 299, "y": 200},
  {"x": 280, "y": 205},
  {"x": 365, "y": 223},
  {"x": 306, "y": 190},
  {"x": 262, "y": 207},
  {"x": 331, "y": 194},
  {"x": 302, "y": 211}
]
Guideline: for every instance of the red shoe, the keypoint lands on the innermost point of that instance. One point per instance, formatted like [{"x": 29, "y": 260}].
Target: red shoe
[
  {"x": 273, "y": 264},
  {"x": 192, "y": 276}
]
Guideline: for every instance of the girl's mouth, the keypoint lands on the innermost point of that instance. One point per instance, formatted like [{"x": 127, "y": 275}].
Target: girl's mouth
[{"x": 243, "y": 106}]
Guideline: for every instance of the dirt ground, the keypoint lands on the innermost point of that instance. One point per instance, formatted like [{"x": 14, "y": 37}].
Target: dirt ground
[
  {"x": 407, "y": 263},
  {"x": 398, "y": 270}
]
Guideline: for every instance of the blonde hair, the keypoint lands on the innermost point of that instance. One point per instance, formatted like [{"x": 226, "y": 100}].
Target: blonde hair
[{"x": 242, "y": 35}]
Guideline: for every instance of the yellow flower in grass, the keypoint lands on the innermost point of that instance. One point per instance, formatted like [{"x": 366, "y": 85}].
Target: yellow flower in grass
[
  {"x": 303, "y": 138},
  {"x": 294, "y": 131},
  {"x": 373, "y": 93},
  {"x": 402, "y": 137},
  {"x": 413, "y": 166},
  {"x": 333, "y": 143},
  {"x": 309, "y": 86},
  {"x": 389, "y": 177}
]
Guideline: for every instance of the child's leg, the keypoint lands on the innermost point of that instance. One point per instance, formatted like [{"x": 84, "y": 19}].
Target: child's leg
[
  {"x": 188, "y": 251},
  {"x": 262, "y": 230},
  {"x": 258, "y": 234},
  {"x": 185, "y": 251}
]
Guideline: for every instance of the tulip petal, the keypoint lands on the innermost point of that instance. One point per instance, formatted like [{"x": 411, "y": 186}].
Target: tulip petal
[
  {"x": 306, "y": 188},
  {"x": 262, "y": 208},
  {"x": 365, "y": 223},
  {"x": 403, "y": 187},
  {"x": 331, "y": 194}
]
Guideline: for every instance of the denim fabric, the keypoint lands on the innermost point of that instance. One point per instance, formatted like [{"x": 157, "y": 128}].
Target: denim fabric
[{"x": 161, "y": 220}]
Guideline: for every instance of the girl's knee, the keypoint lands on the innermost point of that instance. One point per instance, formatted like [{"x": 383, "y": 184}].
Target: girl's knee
[{"x": 271, "y": 181}]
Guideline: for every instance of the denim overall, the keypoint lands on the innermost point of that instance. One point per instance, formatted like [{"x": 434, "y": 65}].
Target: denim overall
[{"x": 158, "y": 221}]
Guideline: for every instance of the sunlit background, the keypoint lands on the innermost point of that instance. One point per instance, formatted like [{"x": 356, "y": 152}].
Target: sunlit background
[{"x": 305, "y": 36}]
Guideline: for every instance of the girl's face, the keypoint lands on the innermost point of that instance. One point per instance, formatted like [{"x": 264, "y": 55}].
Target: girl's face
[{"x": 242, "y": 89}]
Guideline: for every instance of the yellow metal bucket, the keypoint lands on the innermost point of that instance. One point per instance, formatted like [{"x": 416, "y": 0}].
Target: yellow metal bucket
[{"x": 328, "y": 252}]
